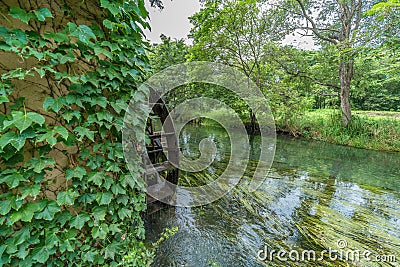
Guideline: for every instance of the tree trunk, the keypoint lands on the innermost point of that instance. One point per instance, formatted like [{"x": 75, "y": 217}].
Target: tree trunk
[
  {"x": 252, "y": 122},
  {"x": 346, "y": 75}
]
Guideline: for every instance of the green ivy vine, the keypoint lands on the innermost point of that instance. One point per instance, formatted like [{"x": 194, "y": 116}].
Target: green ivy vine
[{"x": 90, "y": 213}]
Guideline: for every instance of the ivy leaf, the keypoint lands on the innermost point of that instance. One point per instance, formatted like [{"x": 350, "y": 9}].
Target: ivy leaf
[
  {"x": 61, "y": 131},
  {"x": 86, "y": 33},
  {"x": 96, "y": 178},
  {"x": 108, "y": 24},
  {"x": 104, "y": 198},
  {"x": 51, "y": 240},
  {"x": 90, "y": 255},
  {"x": 117, "y": 189},
  {"x": 101, "y": 101},
  {"x": 5, "y": 139},
  {"x": 114, "y": 228},
  {"x": 43, "y": 163},
  {"x": 5, "y": 206},
  {"x": 65, "y": 245},
  {"x": 110, "y": 250},
  {"x": 67, "y": 197},
  {"x": 103, "y": 115},
  {"x": 29, "y": 190},
  {"x": 16, "y": 38},
  {"x": 17, "y": 73},
  {"x": 40, "y": 254},
  {"x": 35, "y": 53},
  {"x": 83, "y": 32},
  {"x": 100, "y": 50},
  {"x": 21, "y": 236},
  {"x": 35, "y": 117},
  {"x": 19, "y": 142},
  {"x": 70, "y": 114},
  {"x": 132, "y": 182},
  {"x": 3, "y": 98},
  {"x": 50, "y": 209},
  {"x": 77, "y": 172},
  {"x": 108, "y": 181},
  {"x": 13, "y": 179},
  {"x": 58, "y": 37},
  {"x": 26, "y": 213},
  {"x": 71, "y": 99},
  {"x": 110, "y": 6},
  {"x": 50, "y": 135},
  {"x": 15, "y": 204},
  {"x": 99, "y": 213},
  {"x": 124, "y": 213},
  {"x": 23, "y": 252},
  {"x": 112, "y": 166},
  {"x": 20, "y": 14},
  {"x": 100, "y": 231},
  {"x": 38, "y": 164},
  {"x": 113, "y": 46},
  {"x": 123, "y": 199},
  {"x": 63, "y": 217},
  {"x": 48, "y": 102},
  {"x": 87, "y": 198},
  {"x": 119, "y": 106},
  {"x": 41, "y": 72},
  {"x": 22, "y": 121},
  {"x": 42, "y": 14},
  {"x": 54, "y": 103},
  {"x": 64, "y": 58},
  {"x": 79, "y": 220},
  {"x": 84, "y": 132},
  {"x": 5, "y": 47},
  {"x": 2, "y": 249}
]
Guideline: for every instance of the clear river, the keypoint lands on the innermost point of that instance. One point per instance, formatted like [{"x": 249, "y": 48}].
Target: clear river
[{"x": 320, "y": 205}]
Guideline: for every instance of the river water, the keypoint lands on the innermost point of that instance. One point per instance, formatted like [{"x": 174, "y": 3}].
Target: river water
[{"x": 338, "y": 203}]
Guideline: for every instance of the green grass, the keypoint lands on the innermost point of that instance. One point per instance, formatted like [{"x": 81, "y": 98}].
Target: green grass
[
  {"x": 376, "y": 130},
  {"x": 369, "y": 129}
]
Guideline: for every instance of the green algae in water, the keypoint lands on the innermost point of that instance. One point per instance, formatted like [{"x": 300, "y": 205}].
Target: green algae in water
[{"x": 311, "y": 199}]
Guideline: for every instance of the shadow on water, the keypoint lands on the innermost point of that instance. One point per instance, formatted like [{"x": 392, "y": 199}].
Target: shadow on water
[{"x": 315, "y": 196}]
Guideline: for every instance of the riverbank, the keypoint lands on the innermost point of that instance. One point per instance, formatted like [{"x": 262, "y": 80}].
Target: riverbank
[{"x": 376, "y": 130}]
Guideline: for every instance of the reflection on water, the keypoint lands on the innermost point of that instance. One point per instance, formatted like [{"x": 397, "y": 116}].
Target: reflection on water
[{"x": 315, "y": 195}]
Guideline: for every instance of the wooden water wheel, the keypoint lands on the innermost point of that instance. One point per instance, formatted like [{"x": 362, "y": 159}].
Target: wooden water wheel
[{"x": 163, "y": 156}]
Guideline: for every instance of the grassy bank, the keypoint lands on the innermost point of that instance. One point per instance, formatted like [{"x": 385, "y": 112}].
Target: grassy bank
[{"x": 370, "y": 129}]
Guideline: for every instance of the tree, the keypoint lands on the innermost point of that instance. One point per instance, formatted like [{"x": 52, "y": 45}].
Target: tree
[
  {"x": 336, "y": 22},
  {"x": 235, "y": 33},
  {"x": 387, "y": 16},
  {"x": 168, "y": 53}
]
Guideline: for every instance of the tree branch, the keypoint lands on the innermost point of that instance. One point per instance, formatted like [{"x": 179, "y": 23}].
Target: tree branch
[
  {"x": 314, "y": 27},
  {"x": 303, "y": 75}
]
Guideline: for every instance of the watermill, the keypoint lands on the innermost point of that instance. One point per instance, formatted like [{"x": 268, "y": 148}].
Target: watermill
[{"x": 162, "y": 159}]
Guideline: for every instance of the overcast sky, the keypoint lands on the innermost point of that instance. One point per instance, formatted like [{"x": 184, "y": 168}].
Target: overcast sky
[{"x": 173, "y": 21}]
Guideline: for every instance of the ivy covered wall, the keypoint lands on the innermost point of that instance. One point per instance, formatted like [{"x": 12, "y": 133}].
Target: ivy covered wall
[{"x": 68, "y": 70}]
